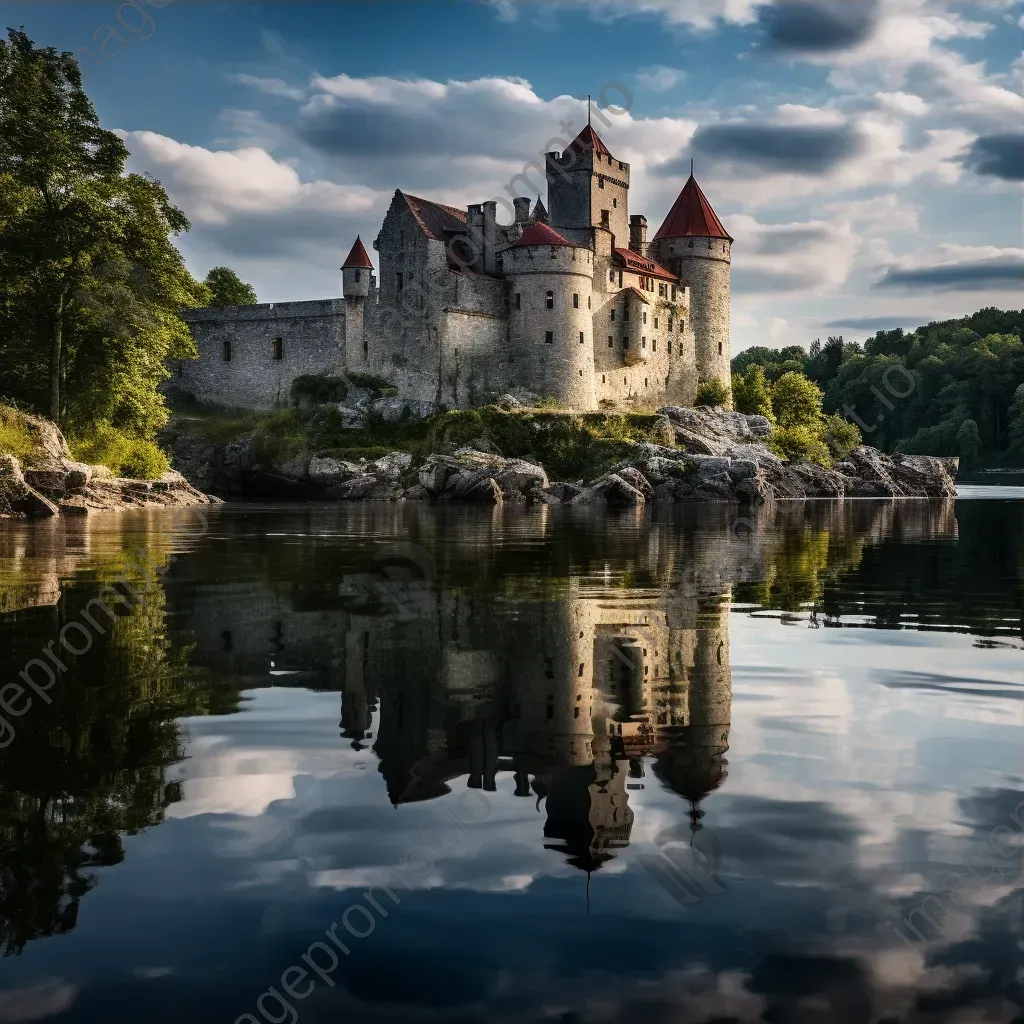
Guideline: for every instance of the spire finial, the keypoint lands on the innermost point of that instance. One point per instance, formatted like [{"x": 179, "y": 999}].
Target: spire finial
[
  {"x": 691, "y": 166},
  {"x": 589, "y": 99}
]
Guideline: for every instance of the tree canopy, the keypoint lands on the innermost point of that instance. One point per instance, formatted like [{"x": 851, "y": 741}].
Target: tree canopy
[
  {"x": 949, "y": 388},
  {"x": 91, "y": 282},
  {"x": 228, "y": 289}
]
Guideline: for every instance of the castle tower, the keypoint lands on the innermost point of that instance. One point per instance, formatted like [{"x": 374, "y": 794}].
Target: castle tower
[
  {"x": 587, "y": 189},
  {"x": 550, "y": 316},
  {"x": 693, "y": 244},
  {"x": 356, "y": 283}
]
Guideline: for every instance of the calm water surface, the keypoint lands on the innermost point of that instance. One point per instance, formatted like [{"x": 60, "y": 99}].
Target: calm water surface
[{"x": 381, "y": 764}]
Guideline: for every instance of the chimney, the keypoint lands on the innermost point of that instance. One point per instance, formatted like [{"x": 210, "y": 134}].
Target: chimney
[
  {"x": 638, "y": 234},
  {"x": 490, "y": 227},
  {"x": 522, "y": 210}
]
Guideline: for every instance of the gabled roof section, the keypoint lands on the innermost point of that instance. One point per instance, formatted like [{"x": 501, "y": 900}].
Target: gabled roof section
[
  {"x": 642, "y": 296},
  {"x": 692, "y": 216},
  {"x": 358, "y": 257},
  {"x": 588, "y": 139},
  {"x": 434, "y": 218},
  {"x": 540, "y": 212},
  {"x": 540, "y": 234},
  {"x": 642, "y": 265}
]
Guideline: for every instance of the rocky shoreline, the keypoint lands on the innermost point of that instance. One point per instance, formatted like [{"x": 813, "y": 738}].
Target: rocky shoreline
[
  {"x": 708, "y": 455},
  {"x": 54, "y": 484}
]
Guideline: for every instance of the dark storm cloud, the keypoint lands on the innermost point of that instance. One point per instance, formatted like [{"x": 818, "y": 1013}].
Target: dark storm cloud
[
  {"x": 799, "y": 148},
  {"x": 823, "y": 26},
  {"x": 1001, "y": 156},
  {"x": 971, "y": 275}
]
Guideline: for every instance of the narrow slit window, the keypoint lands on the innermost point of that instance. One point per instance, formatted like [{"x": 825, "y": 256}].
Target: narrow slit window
[
  {"x": 719, "y": 348},
  {"x": 551, "y": 300},
  {"x": 654, "y": 344},
  {"x": 549, "y": 337},
  {"x": 583, "y": 340},
  {"x": 575, "y": 300},
  {"x": 278, "y": 348},
  {"x": 400, "y": 282},
  {"x": 613, "y": 315},
  {"x": 519, "y": 300},
  {"x": 226, "y": 351},
  {"x": 611, "y": 341}
]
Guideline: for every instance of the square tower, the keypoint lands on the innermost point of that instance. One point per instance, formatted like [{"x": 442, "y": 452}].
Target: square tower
[{"x": 588, "y": 188}]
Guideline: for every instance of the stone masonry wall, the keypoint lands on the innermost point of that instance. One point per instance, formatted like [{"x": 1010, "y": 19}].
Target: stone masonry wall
[{"x": 312, "y": 339}]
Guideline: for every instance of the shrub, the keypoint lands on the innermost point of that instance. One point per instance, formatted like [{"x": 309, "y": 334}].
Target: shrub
[
  {"x": 15, "y": 438},
  {"x": 800, "y": 442},
  {"x": 319, "y": 389},
  {"x": 712, "y": 392},
  {"x": 122, "y": 453},
  {"x": 751, "y": 393},
  {"x": 841, "y": 437},
  {"x": 796, "y": 401}
]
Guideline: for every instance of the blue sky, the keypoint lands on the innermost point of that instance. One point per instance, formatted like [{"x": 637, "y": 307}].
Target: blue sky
[{"x": 867, "y": 155}]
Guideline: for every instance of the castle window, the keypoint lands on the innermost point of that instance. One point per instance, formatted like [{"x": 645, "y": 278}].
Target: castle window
[
  {"x": 605, "y": 219},
  {"x": 401, "y": 282},
  {"x": 615, "y": 204},
  {"x": 611, "y": 341},
  {"x": 366, "y": 344},
  {"x": 589, "y": 306},
  {"x": 625, "y": 314},
  {"x": 359, "y": 276},
  {"x": 691, "y": 243},
  {"x": 673, "y": 292},
  {"x": 654, "y": 344},
  {"x": 645, "y": 385},
  {"x": 645, "y": 316},
  {"x": 719, "y": 348},
  {"x": 670, "y": 325},
  {"x": 519, "y": 301},
  {"x": 600, "y": 182},
  {"x": 549, "y": 337},
  {"x": 643, "y": 343},
  {"x": 670, "y": 346},
  {"x": 575, "y": 712},
  {"x": 613, "y": 314},
  {"x": 611, "y": 276},
  {"x": 226, "y": 351},
  {"x": 655, "y": 323},
  {"x": 602, "y": 379},
  {"x": 277, "y": 348},
  {"x": 583, "y": 340},
  {"x": 551, "y": 300},
  {"x": 575, "y": 300},
  {"x": 623, "y": 381}
]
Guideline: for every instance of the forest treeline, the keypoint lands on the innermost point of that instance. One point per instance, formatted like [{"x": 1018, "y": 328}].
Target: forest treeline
[{"x": 953, "y": 387}]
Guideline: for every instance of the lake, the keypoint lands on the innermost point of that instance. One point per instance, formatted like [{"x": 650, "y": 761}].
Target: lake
[{"x": 451, "y": 765}]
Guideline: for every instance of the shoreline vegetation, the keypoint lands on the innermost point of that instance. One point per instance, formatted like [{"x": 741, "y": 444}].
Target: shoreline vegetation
[{"x": 93, "y": 287}]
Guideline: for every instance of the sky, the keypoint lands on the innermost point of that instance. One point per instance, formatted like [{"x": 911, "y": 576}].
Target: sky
[{"x": 867, "y": 155}]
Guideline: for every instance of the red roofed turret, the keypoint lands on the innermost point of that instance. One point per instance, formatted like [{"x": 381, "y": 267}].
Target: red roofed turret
[
  {"x": 692, "y": 216},
  {"x": 588, "y": 139},
  {"x": 358, "y": 257}
]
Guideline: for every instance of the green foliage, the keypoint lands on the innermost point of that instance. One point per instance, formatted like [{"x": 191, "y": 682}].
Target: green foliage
[
  {"x": 915, "y": 391},
  {"x": 801, "y": 441},
  {"x": 379, "y": 387},
  {"x": 796, "y": 401},
  {"x": 15, "y": 438},
  {"x": 123, "y": 453},
  {"x": 91, "y": 284},
  {"x": 841, "y": 437},
  {"x": 319, "y": 389},
  {"x": 226, "y": 288},
  {"x": 751, "y": 392},
  {"x": 712, "y": 392}
]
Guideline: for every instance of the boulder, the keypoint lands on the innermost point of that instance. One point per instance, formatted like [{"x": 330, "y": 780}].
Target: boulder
[
  {"x": 391, "y": 467},
  {"x": 396, "y": 410},
  {"x": 474, "y": 486},
  {"x": 295, "y": 468},
  {"x": 611, "y": 489},
  {"x": 509, "y": 402},
  {"x": 563, "y": 492},
  {"x": 417, "y": 493},
  {"x": 636, "y": 479},
  {"x": 517, "y": 476},
  {"x": 924, "y": 476},
  {"x": 19, "y": 498},
  {"x": 356, "y": 489},
  {"x": 869, "y": 476},
  {"x": 328, "y": 472},
  {"x": 817, "y": 481},
  {"x": 435, "y": 471}
]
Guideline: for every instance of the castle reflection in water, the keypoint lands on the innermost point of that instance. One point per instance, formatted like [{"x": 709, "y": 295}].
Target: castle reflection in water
[{"x": 501, "y": 661}]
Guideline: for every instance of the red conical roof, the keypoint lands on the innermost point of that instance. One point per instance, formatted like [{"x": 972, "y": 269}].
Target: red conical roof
[
  {"x": 357, "y": 257},
  {"x": 589, "y": 139},
  {"x": 692, "y": 216},
  {"x": 540, "y": 234}
]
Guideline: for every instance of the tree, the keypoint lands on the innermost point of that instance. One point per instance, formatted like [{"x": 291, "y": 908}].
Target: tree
[
  {"x": 968, "y": 440},
  {"x": 228, "y": 289},
  {"x": 796, "y": 401},
  {"x": 90, "y": 280},
  {"x": 752, "y": 393},
  {"x": 712, "y": 392}
]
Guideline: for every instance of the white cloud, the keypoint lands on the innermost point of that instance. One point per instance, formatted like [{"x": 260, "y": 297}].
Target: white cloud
[
  {"x": 270, "y": 86},
  {"x": 904, "y": 104},
  {"x": 659, "y": 78}
]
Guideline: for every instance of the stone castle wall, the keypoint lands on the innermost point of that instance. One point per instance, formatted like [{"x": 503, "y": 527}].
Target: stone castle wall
[{"x": 237, "y": 367}]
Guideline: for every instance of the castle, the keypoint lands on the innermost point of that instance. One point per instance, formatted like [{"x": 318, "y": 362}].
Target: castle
[{"x": 568, "y": 302}]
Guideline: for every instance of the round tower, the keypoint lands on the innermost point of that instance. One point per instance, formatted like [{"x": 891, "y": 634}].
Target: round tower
[
  {"x": 356, "y": 280},
  {"x": 551, "y": 318},
  {"x": 694, "y": 244}
]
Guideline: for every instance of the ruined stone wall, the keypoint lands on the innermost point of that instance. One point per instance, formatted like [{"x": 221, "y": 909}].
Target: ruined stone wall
[{"x": 312, "y": 342}]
